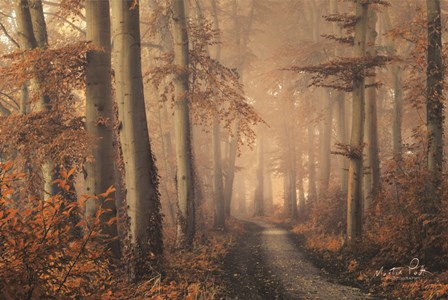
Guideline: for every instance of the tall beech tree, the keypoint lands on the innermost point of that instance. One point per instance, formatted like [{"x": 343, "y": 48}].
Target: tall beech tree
[
  {"x": 435, "y": 99},
  {"x": 184, "y": 174},
  {"x": 33, "y": 34},
  {"x": 141, "y": 182},
  {"x": 340, "y": 108},
  {"x": 372, "y": 178},
  {"x": 99, "y": 168},
  {"x": 355, "y": 169}
]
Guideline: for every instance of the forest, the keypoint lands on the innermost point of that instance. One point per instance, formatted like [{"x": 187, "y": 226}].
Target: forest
[{"x": 223, "y": 149}]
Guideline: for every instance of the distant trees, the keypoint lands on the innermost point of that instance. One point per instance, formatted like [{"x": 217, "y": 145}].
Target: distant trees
[{"x": 334, "y": 75}]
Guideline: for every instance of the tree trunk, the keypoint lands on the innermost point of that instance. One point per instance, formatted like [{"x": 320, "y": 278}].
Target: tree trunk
[
  {"x": 167, "y": 152},
  {"x": 100, "y": 168},
  {"x": 184, "y": 178},
  {"x": 230, "y": 172},
  {"x": 258, "y": 200},
  {"x": 49, "y": 172},
  {"x": 268, "y": 196},
  {"x": 325, "y": 144},
  {"x": 355, "y": 171},
  {"x": 141, "y": 182},
  {"x": 397, "y": 111},
  {"x": 220, "y": 209},
  {"x": 341, "y": 112},
  {"x": 435, "y": 99},
  {"x": 372, "y": 178},
  {"x": 217, "y": 168},
  {"x": 24, "y": 25},
  {"x": 312, "y": 192},
  {"x": 38, "y": 21},
  {"x": 301, "y": 206},
  {"x": 398, "y": 92}
]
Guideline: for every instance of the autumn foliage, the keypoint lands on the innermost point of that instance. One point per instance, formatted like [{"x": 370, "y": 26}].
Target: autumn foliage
[{"x": 48, "y": 250}]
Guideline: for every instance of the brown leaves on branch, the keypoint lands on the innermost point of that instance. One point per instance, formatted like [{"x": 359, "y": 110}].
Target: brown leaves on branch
[
  {"x": 349, "y": 151},
  {"x": 344, "y": 20},
  {"x": 61, "y": 69},
  {"x": 46, "y": 257},
  {"x": 213, "y": 89},
  {"x": 340, "y": 73}
]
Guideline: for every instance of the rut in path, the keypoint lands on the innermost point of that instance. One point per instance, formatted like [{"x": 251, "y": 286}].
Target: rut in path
[{"x": 267, "y": 264}]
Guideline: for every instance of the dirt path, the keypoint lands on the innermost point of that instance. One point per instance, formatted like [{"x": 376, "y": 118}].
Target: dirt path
[{"x": 267, "y": 264}]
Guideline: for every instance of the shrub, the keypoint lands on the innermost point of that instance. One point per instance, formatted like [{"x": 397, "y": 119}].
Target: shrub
[{"x": 42, "y": 253}]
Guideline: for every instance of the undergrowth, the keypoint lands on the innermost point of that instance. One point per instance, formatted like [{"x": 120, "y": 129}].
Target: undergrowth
[
  {"x": 50, "y": 250},
  {"x": 403, "y": 252}
]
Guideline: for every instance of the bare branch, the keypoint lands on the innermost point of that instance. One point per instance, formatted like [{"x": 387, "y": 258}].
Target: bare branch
[
  {"x": 67, "y": 21},
  {"x": 8, "y": 35}
]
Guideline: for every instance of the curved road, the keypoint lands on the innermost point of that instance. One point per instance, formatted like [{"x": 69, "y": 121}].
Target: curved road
[{"x": 267, "y": 264}]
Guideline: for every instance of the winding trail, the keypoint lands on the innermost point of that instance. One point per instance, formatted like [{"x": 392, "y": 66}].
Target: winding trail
[{"x": 267, "y": 264}]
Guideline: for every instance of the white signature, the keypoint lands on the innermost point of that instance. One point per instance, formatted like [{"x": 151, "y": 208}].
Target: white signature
[{"x": 413, "y": 269}]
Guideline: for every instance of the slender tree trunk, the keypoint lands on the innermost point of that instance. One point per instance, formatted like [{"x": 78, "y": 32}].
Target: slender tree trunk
[
  {"x": 268, "y": 201},
  {"x": 242, "y": 198},
  {"x": 372, "y": 178},
  {"x": 341, "y": 113},
  {"x": 287, "y": 203},
  {"x": 435, "y": 100},
  {"x": 49, "y": 172},
  {"x": 230, "y": 172},
  {"x": 355, "y": 172},
  {"x": 258, "y": 200},
  {"x": 241, "y": 41},
  {"x": 100, "y": 168},
  {"x": 325, "y": 144},
  {"x": 220, "y": 209},
  {"x": 184, "y": 178},
  {"x": 312, "y": 192},
  {"x": 292, "y": 165},
  {"x": 217, "y": 168},
  {"x": 398, "y": 91},
  {"x": 292, "y": 186},
  {"x": 167, "y": 151},
  {"x": 301, "y": 206},
  {"x": 397, "y": 111}
]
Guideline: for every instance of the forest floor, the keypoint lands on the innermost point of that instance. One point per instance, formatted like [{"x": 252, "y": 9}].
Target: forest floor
[{"x": 268, "y": 263}]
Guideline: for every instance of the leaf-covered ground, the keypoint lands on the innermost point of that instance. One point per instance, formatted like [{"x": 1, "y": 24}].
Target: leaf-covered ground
[{"x": 268, "y": 264}]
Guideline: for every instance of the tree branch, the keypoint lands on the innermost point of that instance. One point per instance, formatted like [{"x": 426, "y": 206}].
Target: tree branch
[
  {"x": 67, "y": 21},
  {"x": 8, "y": 35}
]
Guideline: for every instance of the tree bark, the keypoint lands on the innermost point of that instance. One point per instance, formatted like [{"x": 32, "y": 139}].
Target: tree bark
[
  {"x": 259, "y": 197},
  {"x": 141, "y": 182},
  {"x": 435, "y": 99},
  {"x": 325, "y": 144},
  {"x": 312, "y": 192},
  {"x": 372, "y": 180},
  {"x": 184, "y": 178},
  {"x": 100, "y": 168},
  {"x": 24, "y": 25},
  {"x": 355, "y": 172},
  {"x": 49, "y": 172},
  {"x": 341, "y": 112},
  {"x": 38, "y": 21},
  {"x": 217, "y": 169}
]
